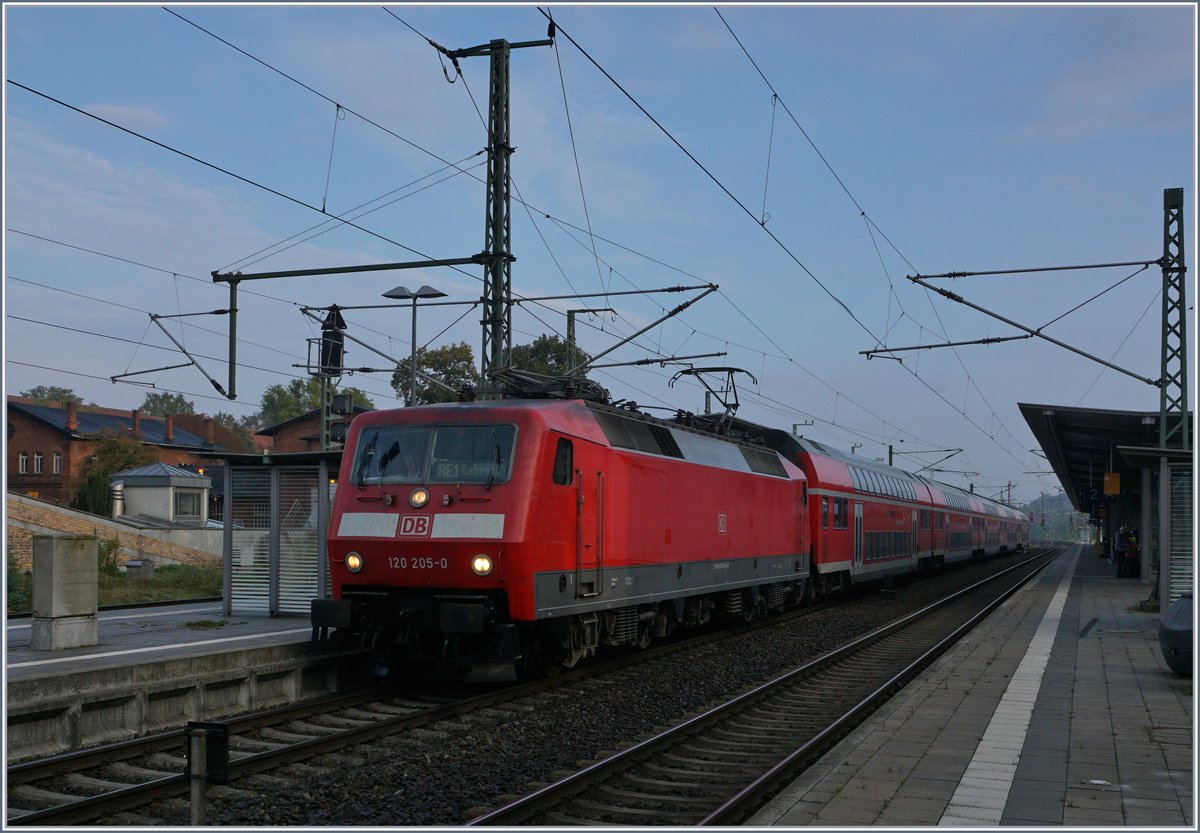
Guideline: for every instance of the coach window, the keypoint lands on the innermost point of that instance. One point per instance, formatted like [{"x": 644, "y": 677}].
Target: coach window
[
  {"x": 564, "y": 461},
  {"x": 824, "y": 507}
]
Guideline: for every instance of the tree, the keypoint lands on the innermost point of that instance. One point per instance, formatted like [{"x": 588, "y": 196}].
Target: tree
[
  {"x": 279, "y": 403},
  {"x": 161, "y": 404},
  {"x": 238, "y": 427},
  {"x": 110, "y": 454},
  {"x": 548, "y": 354},
  {"x": 50, "y": 394},
  {"x": 453, "y": 365}
]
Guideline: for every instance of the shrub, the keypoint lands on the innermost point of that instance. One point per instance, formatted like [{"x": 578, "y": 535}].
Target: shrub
[
  {"x": 20, "y": 585},
  {"x": 107, "y": 556}
]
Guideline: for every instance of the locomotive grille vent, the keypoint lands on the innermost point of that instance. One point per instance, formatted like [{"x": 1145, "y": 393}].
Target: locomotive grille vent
[
  {"x": 763, "y": 462},
  {"x": 666, "y": 442},
  {"x": 625, "y": 432}
]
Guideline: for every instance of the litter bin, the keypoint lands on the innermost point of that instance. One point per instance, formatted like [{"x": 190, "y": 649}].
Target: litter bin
[
  {"x": 140, "y": 568},
  {"x": 1175, "y": 635}
]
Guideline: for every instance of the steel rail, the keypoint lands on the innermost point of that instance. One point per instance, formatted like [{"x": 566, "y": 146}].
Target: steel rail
[
  {"x": 529, "y": 807},
  {"x": 738, "y": 808}
]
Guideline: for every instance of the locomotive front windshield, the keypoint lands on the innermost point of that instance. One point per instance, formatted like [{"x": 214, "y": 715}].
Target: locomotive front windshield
[{"x": 433, "y": 454}]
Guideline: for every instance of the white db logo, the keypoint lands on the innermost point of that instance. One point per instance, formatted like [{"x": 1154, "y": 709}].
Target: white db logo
[{"x": 417, "y": 525}]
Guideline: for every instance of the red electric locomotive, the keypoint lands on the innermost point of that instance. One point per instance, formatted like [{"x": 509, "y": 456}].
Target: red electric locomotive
[
  {"x": 482, "y": 537},
  {"x": 478, "y": 539}
]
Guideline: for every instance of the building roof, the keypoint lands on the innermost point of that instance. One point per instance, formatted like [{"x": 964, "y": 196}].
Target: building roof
[
  {"x": 161, "y": 474},
  {"x": 151, "y": 429},
  {"x": 272, "y": 430}
]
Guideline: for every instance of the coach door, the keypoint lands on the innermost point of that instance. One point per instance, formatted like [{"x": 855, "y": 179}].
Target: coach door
[
  {"x": 914, "y": 546},
  {"x": 589, "y": 516},
  {"x": 858, "y": 533}
]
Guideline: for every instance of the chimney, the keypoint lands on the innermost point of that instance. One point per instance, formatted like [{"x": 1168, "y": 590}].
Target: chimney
[
  {"x": 136, "y": 430},
  {"x": 169, "y": 421},
  {"x": 118, "y": 498},
  {"x": 209, "y": 436},
  {"x": 72, "y": 417}
]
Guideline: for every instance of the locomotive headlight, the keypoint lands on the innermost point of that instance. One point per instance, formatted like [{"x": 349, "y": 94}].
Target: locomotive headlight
[
  {"x": 354, "y": 562},
  {"x": 481, "y": 564},
  {"x": 418, "y": 498}
]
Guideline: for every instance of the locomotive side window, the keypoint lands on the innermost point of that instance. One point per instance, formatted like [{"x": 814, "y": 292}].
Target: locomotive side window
[{"x": 564, "y": 461}]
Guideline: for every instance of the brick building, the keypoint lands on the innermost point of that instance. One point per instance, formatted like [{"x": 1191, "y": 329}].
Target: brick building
[
  {"x": 302, "y": 433},
  {"x": 48, "y": 443}
]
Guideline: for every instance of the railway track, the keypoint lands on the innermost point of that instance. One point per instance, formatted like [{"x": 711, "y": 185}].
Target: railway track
[
  {"x": 718, "y": 767},
  {"x": 120, "y": 782},
  {"x": 82, "y": 786}
]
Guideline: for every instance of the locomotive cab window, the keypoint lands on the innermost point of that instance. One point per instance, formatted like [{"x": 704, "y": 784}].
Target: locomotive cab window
[
  {"x": 564, "y": 461},
  {"x": 388, "y": 454}
]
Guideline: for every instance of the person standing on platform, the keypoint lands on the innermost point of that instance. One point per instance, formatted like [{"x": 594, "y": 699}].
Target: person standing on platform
[
  {"x": 1120, "y": 546},
  {"x": 1132, "y": 565}
]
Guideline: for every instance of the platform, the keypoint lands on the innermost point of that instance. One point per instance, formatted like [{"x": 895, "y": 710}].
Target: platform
[
  {"x": 154, "y": 669},
  {"x": 1058, "y": 710},
  {"x": 148, "y": 634}
]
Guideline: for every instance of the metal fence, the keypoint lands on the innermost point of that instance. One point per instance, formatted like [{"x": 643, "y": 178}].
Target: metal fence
[{"x": 1183, "y": 556}]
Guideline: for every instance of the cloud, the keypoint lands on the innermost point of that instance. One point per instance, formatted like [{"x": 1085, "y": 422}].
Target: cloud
[{"x": 129, "y": 115}]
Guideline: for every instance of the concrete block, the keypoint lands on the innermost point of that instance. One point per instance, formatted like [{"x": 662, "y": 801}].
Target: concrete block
[
  {"x": 63, "y": 633},
  {"x": 65, "y": 575}
]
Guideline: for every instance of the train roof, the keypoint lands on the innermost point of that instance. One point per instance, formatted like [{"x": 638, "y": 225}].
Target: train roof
[{"x": 790, "y": 444}]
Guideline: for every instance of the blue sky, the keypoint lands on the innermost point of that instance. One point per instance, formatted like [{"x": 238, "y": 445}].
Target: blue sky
[{"x": 973, "y": 138}]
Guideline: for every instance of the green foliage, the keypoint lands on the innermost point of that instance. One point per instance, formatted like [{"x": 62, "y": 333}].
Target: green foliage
[
  {"x": 51, "y": 395},
  {"x": 106, "y": 556},
  {"x": 169, "y": 582},
  {"x": 110, "y": 455},
  {"x": 242, "y": 428},
  {"x": 19, "y": 584},
  {"x": 453, "y": 364},
  {"x": 280, "y": 403},
  {"x": 549, "y": 355},
  {"x": 161, "y": 404}
]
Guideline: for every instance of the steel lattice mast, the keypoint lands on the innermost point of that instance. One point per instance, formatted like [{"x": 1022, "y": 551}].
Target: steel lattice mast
[
  {"x": 497, "y": 248},
  {"x": 1173, "y": 427}
]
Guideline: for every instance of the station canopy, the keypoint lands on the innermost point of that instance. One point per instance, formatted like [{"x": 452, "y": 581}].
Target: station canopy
[{"x": 1084, "y": 444}]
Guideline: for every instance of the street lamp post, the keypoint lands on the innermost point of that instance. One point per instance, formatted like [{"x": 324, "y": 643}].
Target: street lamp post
[{"x": 402, "y": 293}]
